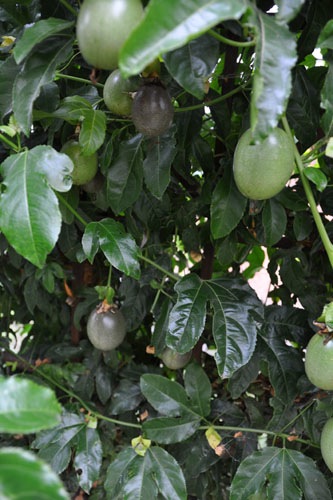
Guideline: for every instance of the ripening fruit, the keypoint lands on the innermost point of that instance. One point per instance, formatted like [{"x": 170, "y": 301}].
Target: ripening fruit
[
  {"x": 262, "y": 170},
  {"x": 102, "y": 28},
  {"x": 117, "y": 93},
  {"x": 106, "y": 328},
  {"x": 152, "y": 110},
  {"x": 85, "y": 167},
  {"x": 174, "y": 360},
  {"x": 319, "y": 362},
  {"x": 326, "y": 444}
]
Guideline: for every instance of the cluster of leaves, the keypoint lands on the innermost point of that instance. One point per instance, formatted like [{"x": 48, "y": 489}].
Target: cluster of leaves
[{"x": 241, "y": 419}]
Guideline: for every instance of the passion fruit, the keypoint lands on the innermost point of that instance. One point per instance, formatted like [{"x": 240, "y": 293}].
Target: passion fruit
[
  {"x": 85, "y": 166},
  {"x": 152, "y": 110},
  {"x": 106, "y": 327},
  {"x": 117, "y": 93},
  {"x": 173, "y": 360},
  {"x": 319, "y": 362},
  {"x": 262, "y": 170},
  {"x": 326, "y": 443}
]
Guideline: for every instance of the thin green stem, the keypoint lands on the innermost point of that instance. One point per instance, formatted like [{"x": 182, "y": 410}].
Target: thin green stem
[
  {"x": 260, "y": 431},
  {"x": 77, "y": 79},
  {"x": 228, "y": 41},
  {"x": 160, "y": 268},
  {"x": 211, "y": 102},
  {"x": 72, "y": 210},
  {"x": 304, "y": 410},
  {"x": 309, "y": 195},
  {"x": 9, "y": 143},
  {"x": 69, "y": 7}
]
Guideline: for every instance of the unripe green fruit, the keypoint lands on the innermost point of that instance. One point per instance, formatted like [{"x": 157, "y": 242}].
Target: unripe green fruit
[
  {"x": 326, "y": 444},
  {"x": 85, "y": 167},
  {"x": 102, "y": 28},
  {"x": 106, "y": 330},
  {"x": 152, "y": 110},
  {"x": 262, "y": 170},
  {"x": 319, "y": 362},
  {"x": 174, "y": 360},
  {"x": 117, "y": 93}
]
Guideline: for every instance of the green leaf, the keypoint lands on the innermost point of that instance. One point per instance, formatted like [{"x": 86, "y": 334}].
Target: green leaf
[
  {"x": 88, "y": 457},
  {"x": 26, "y": 407},
  {"x": 29, "y": 210},
  {"x": 275, "y": 58},
  {"x": 286, "y": 474},
  {"x": 23, "y": 475},
  {"x": 37, "y": 33},
  {"x": 118, "y": 247},
  {"x": 126, "y": 397},
  {"x": 288, "y": 9},
  {"x": 8, "y": 72},
  {"x": 55, "y": 446},
  {"x": 166, "y": 396},
  {"x": 168, "y": 25},
  {"x": 327, "y": 99},
  {"x": 38, "y": 70},
  {"x": 167, "y": 430},
  {"x": 302, "y": 225},
  {"x": 188, "y": 316},
  {"x": 274, "y": 220},
  {"x": 325, "y": 39},
  {"x": 124, "y": 178},
  {"x": 227, "y": 207},
  {"x": 192, "y": 64},
  {"x": 317, "y": 177},
  {"x": 198, "y": 388},
  {"x": 236, "y": 310},
  {"x": 140, "y": 483},
  {"x": 157, "y": 164},
  {"x": 117, "y": 474},
  {"x": 167, "y": 474}
]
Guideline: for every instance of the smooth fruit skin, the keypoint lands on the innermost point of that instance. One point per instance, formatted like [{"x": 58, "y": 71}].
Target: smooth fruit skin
[
  {"x": 116, "y": 93},
  {"x": 152, "y": 110},
  {"x": 85, "y": 167},
  {"x": 102, "y": 28},
  {"x": 319, "y": 362},
  {"x": 173, "y": 360},
  {"x": 262, "y": 170},
  {"x": 326, "y": 444},
  {"x": 106, "y": 330}
]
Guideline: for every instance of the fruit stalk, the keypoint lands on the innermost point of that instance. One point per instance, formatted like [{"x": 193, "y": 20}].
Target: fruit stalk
[{"x": 309, "y": 195}]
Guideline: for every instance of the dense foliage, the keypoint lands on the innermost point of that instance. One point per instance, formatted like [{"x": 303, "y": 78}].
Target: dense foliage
[{"x": 163, "y": 234}]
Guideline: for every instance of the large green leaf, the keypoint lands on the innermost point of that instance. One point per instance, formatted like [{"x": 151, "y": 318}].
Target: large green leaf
[
  {"x": 167, "y": 474},
  {"x": 188, "y": 316},
  {"x": 126, "y": 397},
  {"x": 170, "y": 24},
  {"x": 279, "y": 473},
  {"x": 275, "y": 58},
  {"x": 8, "y": 72},
  {"x": 227, "y": 207},
  {"x": 288, "y": 9},
  {"x": 236, "y": 312},
  {"x": 166, "y": 396},
  {"x": 26, "y": 407},
  {"x": 198, "y": 388},
  {"x": 55, "y": 446},
  {"x": 274, "y": 220},
  {"x": 88, "y": 457},
  {"x": 37, "y": 33},
  {"x": 118, "y": 247},
  {"x": 29, "y": 211},
  {"x": 167, "y": 430},
  {"x": 192, "y": 64},
  {"x": 156, "y": 166},
  {"x": 117, "y": 474},
  {"x": 124, "y": 178},
  {"x": 38, "y": 70},
  {"x": 140, "y": 483},
  {"x": 23, "y": 475}
]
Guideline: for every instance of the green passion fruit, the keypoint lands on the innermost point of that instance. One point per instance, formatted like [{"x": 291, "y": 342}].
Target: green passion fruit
[
  {"x": 152, "y": 110},
  {"x": 262, "y": 170},
  {"x": 117, "y": 93},
  {"x": 85, "y": 167},
  {"x": 102, "y": 28},
  {"x": 106, "y": 327},
  {"x": 174, "y": 360},
  {"x": 326, "y": 443},
  {"x": 319, "y": 362}
]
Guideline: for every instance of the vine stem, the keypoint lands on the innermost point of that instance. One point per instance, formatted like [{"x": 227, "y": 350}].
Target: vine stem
[
  {"x": 309, "y": 195},
  {"x": 211, "y": 102},
  {"x": 9, "y": 143},
  {"x": 72, "y": 210},
  {"x": 78, "y": 79},
  {"x": 160, "y": 268},
  {"x": 228, "y": 41},
  {"x": 69, "y": 7}
]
